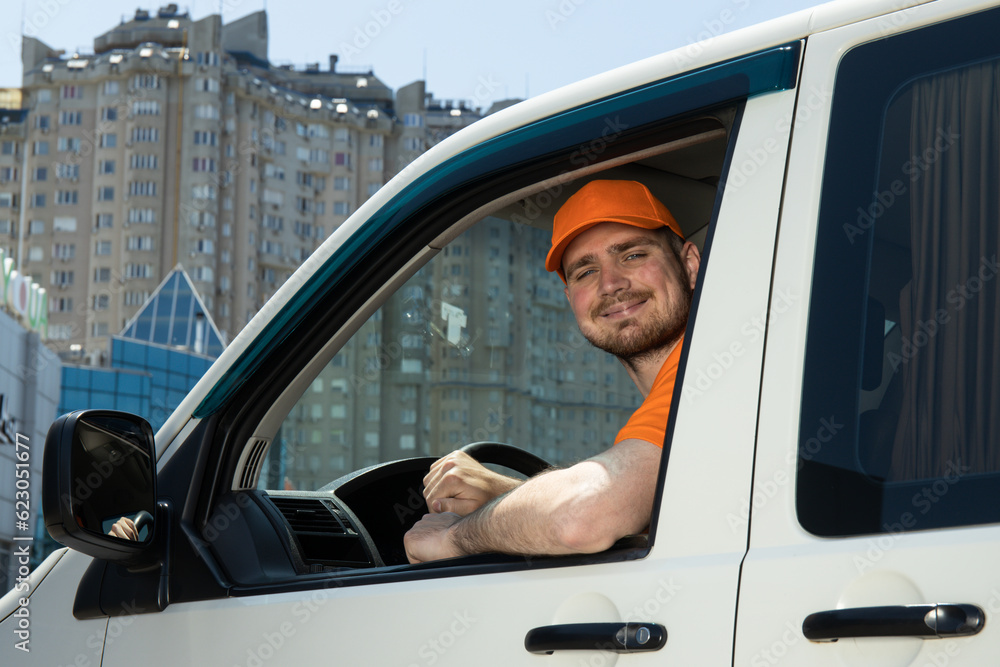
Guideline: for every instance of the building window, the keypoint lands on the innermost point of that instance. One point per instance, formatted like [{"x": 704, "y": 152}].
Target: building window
[
  {"x": 109, "y": 114},
  {"x": 71, "y": 144},
  {"x": 145, "y": 81},
  {"x": 109, "y": 140},
  {"x": 106, "y": 167},
  {"x": 71, "y": 92},
  {"x": 145, "y": 108},
  {"x": 145, "y": 134},
  {"x": 40, "y": 174},
  {"x": 139, "y": 243},
  {"x": 111, "y": 87},
  {"x": 202, "y": 219},
  {"x": 203, "y": 164},
  {"x": 413, "y": 120},
  {"x": 102, "y": 247},
  {"x": 142, "y": 188},
  {"x": 207, "y": 58},
  {"x": 206, "y": 85},
  {"x": 106, "y": 193},
  {"x": 341, "y": 183},
  {"x": 37, "y": 148},
  {"x": 67, "y": 171},
  {"x": 203, "y": 274},
  {"x": 61, "y": 305},
  {"x": 63, "y": 251},
  {"x": 303, "y": 205},
  {"x": 104, "y": 221},
  {"x": 67, "y": 197},
  {"x": 142, "y": 216},
  {"x": 136, "y": 298},
  {"x": 37, "y": 200},
  {"x": 60, "y": 224},
  {"x": 70, "y": 117},
  {"x": 209, "y": 111},
  {"x": 138, "y": 270},
  {"x": 206, "y": 191},
  {"x": 62, "y": 278},
  {"x": 144, "y": 161},
  {"x": 206, "y": 138}
]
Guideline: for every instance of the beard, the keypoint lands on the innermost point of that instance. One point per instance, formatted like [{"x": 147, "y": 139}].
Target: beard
[{"x": 634, "y": 340}]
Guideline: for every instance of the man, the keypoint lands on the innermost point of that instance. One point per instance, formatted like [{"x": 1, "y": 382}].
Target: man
[{"x": 629, "y": 278}]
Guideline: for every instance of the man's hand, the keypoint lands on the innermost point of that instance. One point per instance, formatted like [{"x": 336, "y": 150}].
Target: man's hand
[
  {"x": 460, "y": 484},
  {"x": 430, "y": 539},
  {"x": 125, "y": 529}
]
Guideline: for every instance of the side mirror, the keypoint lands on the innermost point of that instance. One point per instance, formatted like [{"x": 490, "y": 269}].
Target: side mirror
[{"x": 98, "y": 466}]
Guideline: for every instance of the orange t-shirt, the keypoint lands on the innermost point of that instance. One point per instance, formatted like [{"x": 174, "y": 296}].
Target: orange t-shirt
[{"x": 649, "y": 421}]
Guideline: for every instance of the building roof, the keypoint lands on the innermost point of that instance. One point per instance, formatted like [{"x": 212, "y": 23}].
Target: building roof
[{"x": 175, "y": 315}]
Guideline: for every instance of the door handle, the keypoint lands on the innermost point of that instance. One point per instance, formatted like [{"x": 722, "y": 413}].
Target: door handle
[
  {"x": 614, "y": 637},
  {"x": 930, "y": 621}
]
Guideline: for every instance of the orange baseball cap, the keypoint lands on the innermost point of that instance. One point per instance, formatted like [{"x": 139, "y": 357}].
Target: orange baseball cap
[{"x": 627, "y": 202}]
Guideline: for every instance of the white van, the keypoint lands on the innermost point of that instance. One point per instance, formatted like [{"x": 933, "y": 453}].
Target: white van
[{"x": 828, "y": 494}]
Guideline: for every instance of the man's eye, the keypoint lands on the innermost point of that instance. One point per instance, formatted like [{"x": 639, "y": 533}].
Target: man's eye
[
  {"x": 634, "y": 255},
  {"x": 583, "y": 274}
]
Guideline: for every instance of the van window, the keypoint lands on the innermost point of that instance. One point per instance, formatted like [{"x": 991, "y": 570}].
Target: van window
[
  {"x": 479, "y": 345},
  {"x": 899, "y": 426}
]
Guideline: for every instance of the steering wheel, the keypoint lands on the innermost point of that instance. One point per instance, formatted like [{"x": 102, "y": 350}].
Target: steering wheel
[
  {"x": 142, "y": 519},
  {"x": 509, "y": 456}
]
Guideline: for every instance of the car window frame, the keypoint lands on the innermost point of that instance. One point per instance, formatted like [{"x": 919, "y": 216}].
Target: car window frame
[{"x": 412, "y": 228}]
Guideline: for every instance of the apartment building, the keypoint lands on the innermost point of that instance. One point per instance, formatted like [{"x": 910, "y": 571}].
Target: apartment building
[{"x": 177, "y": 143}]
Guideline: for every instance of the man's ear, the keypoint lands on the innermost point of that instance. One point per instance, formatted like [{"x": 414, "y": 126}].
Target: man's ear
[{"x": 691, "y": 261}]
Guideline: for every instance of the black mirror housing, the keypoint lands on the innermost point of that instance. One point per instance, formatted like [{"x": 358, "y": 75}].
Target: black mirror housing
[{"x": 97, "y": 467}]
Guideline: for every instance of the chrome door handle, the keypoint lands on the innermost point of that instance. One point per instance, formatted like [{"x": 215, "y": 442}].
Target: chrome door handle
[
  {"x": 930, "y": 621},
  {"x": 614, "y": 637}
]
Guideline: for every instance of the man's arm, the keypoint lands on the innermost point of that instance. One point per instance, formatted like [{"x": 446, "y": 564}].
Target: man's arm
[{"x": 582, "y": 509}]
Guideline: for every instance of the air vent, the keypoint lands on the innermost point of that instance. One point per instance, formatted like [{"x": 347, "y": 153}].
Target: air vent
[
  {"x": 310, "y": 515},
  {"x": 251, "y": 465}
]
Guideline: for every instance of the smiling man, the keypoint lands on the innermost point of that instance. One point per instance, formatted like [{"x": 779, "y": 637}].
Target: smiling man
[{"x": 629, "y": 277}]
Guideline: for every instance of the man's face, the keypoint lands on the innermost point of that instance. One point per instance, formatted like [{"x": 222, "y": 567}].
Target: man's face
[{"x": 628, "y": 290}]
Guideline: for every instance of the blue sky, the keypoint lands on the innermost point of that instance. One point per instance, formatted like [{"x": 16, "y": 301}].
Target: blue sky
[{"x": 475, "y": 51}]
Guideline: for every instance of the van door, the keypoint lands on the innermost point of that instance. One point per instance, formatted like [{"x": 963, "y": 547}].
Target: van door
[
  {"x": 874, "y": 536},
  {"x": 283, "y": 602}
]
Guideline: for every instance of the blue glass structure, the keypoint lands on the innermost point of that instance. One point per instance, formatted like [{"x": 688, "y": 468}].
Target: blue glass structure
[
  {"x": 175, "y": 316},
  {"x": 155, "y": 361}
]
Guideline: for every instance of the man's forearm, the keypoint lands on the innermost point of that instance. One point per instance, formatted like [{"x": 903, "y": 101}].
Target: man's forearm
[
  {"x": 560, "y": 512},
  {"x": 581, "y": 509}
]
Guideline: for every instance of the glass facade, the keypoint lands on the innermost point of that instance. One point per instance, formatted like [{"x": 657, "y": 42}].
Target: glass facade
[{"x": 156, "y": 360}]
